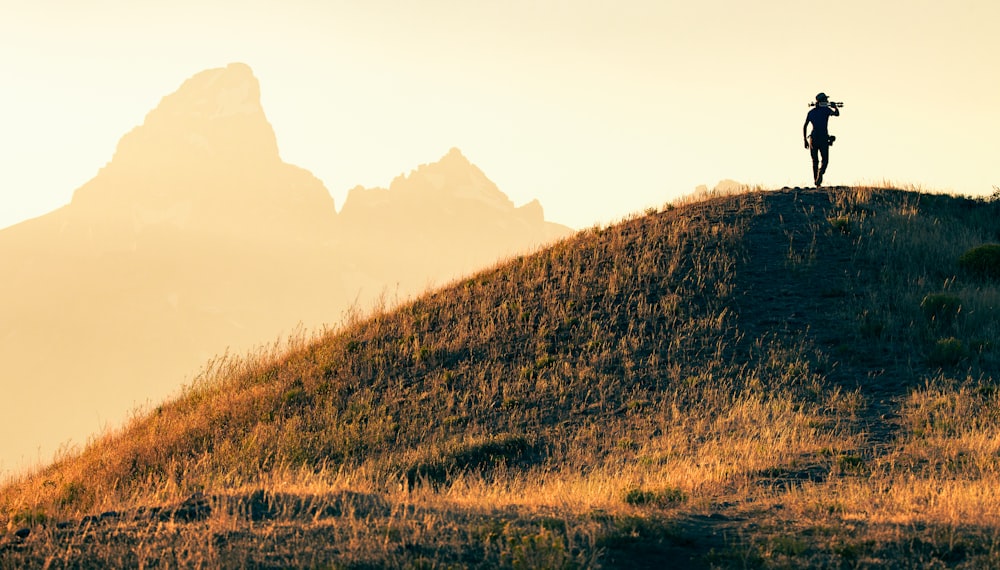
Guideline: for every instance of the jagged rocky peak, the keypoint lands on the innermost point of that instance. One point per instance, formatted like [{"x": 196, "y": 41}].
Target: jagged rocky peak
[
  {"x": 213, "y": 94},
  {"x": 450, "y": 195},
  {"x": 452, "y": 177},
  {"x": 532, "y": 212},
  {"x": 214, "y": 115},
  {"x": 207, "y": 157}
]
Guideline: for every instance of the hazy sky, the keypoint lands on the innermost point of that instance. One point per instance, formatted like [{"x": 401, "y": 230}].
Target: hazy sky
[{"x": 598, "y": 108}]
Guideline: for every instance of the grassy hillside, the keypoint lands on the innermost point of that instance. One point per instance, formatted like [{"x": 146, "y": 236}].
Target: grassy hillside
[{"x": 797, "y": 377}]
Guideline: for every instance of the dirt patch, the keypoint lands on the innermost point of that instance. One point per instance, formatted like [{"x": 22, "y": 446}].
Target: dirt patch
[{"x": 799, "y": 271}]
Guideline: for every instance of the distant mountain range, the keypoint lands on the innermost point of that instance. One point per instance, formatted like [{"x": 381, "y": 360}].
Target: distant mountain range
[{"x": 196, "y": 237}]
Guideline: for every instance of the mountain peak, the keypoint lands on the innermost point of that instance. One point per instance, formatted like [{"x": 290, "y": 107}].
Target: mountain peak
[
  {"x": 455, "y": 155},
  {"x": 216, "y": 93},
  {"x": 215, "y": 113},
  {"x": 452, "y": 177},
  {"x": 206, "y": 156}
]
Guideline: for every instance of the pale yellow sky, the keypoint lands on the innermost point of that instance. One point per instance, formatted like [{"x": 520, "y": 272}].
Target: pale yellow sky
[{"x": 597, "y": 108}]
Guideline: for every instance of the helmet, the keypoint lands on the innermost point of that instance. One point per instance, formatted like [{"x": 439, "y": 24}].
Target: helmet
[{"x": 821, "y": 98}]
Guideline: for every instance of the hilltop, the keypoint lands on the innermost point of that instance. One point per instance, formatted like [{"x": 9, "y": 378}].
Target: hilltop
[{"x": 794, "y": 377}]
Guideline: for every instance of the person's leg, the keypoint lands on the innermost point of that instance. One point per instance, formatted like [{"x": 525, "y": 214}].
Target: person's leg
[
  {"x": 824, "y": 152},
  {"x": 814, "y": 153}
]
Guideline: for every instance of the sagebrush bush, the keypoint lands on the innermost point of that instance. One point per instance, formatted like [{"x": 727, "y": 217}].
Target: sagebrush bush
[
  {"x": 941, "y": 308},
  {"x": 982, "y": 261},
  {"x": 948, "y": 352},
  {"x": 841, "y": 223},
  {"x": 659, "y": 497}
]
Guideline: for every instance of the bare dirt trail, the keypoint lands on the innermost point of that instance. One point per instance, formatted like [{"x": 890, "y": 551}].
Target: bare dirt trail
[{"x": 796, "y": 281}]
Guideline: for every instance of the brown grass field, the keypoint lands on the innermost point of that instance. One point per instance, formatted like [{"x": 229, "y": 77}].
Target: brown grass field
[{"x": 769, "y": 379}]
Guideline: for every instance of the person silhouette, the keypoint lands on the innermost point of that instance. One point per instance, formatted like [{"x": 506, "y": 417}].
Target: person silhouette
[{"x": 818, "y": 141}]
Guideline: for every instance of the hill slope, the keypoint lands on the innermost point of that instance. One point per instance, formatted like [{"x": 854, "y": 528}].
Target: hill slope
[{"x": 755, "y": 379}]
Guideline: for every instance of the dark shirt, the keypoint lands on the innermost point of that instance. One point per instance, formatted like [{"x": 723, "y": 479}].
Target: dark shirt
[{"x": 819, "y": 117}]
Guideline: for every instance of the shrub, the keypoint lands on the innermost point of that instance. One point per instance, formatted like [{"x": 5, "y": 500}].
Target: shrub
[
  {"x": 948, "y": 352},
  {"x": 30, "y": 517},
  {"x": 982, "y": 261},
  {"x": 661, "y": 498},
  {"x": 72, "y": 493},
  {"x": 545, "y": 549},
  {"x": 841, "y": 223},
  {"x": 789, "y": 545},
  {"x": 850, "y": 463},
  {"x": 941, "y": 307}
]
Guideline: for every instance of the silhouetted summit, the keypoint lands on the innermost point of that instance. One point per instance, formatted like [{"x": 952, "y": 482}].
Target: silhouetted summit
[
  {"x": 214, "y": 114},
  {"x": 452, "y": 181},
  {"x": 206, "y": 160},
  {"x": 454, "y": 217},
  {"x": 452, "y": 177}
]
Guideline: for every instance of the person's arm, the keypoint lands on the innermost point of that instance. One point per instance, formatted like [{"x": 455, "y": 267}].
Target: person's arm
[
  {"x": 805, "y": 140},
  {"x": 835, "y": 111}
]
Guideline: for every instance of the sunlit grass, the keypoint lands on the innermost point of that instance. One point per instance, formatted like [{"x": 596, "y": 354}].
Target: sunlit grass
[{"x": 582, "y": 404}]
